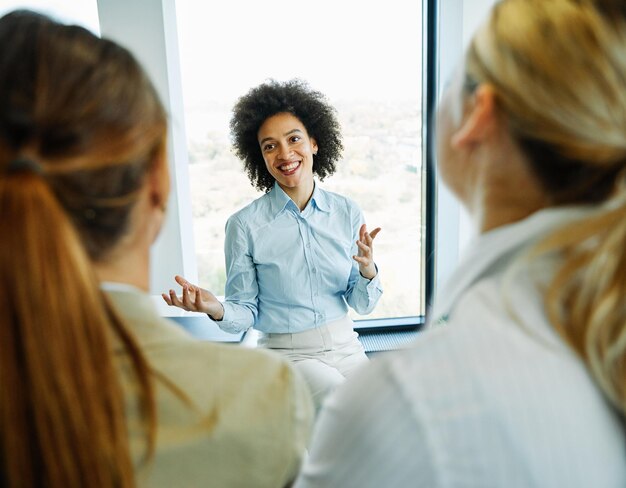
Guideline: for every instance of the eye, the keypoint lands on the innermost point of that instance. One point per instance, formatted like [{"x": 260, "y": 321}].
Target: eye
[
  {"x": 295, "y": 139},
  {"x": 269, "y": 147}
]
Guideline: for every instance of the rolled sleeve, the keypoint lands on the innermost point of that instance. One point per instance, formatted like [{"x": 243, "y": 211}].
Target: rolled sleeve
[
  {"x": 236, "y": 318},
  {"x": 364, "y": 295},
  {"x": 241, "y": 304}
]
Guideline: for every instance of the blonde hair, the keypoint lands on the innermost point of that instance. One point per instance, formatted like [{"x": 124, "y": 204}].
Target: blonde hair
[
  {"x": 80, "y": 127},
  {"x": 558, "y": 68}
]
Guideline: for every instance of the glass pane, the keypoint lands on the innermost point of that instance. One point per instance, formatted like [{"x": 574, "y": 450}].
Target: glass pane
[{"x": 367, "y": 58}]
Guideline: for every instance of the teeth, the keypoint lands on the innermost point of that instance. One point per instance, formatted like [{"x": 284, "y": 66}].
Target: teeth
[{"x": 289, "y": 167}]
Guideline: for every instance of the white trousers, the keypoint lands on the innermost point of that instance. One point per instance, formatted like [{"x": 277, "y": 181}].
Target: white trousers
[{"x": 325, "y": 355}]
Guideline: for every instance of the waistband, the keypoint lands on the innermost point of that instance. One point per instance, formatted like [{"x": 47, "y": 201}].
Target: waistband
[{"x": 334, "y": 333}]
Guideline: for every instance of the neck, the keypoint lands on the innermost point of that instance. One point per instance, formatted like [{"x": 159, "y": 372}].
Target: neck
[
  {"x": 130, "y": 266},
  {"x": 489, "y": 218},
  {"x": 301, "y": 194},
  {"x": 502, "y": 199},
  {"x": 502, "y": 189}
]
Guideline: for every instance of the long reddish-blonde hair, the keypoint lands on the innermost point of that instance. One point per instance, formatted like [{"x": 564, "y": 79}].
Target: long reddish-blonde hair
[{"x": 80, "y": 127}]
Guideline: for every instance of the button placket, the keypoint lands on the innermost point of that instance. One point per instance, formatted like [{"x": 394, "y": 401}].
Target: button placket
[{"x": 313, "y": 271}]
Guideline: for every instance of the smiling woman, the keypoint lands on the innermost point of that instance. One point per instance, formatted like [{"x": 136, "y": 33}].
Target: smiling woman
[
  {"x": 372, "y": 75},
  {"x": 288, "y": 152},
  {"x": 298, "y": 256}
]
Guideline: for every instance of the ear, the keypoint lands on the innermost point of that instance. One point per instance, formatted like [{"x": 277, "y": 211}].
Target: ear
[
  {"x": 159, "y": 181},
  {"x": 313, "y": 146},
  {"x": 481, "y": 117}
]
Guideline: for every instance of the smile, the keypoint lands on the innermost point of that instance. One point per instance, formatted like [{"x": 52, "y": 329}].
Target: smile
[{"x": 290, "y": 167}]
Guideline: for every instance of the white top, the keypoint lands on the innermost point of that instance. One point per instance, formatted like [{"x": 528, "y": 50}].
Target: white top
[{"x": 488, "y": 400}]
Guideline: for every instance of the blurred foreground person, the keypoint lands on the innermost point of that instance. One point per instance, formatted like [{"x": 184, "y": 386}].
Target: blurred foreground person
[
  {"x": 97, "y": 389},
  {"x": 524, "y": 382}
]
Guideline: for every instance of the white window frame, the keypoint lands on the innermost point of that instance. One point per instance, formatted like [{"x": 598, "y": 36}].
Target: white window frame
[{"x": 148, "y": 28}]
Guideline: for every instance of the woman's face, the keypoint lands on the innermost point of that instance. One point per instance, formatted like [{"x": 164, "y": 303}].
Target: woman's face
[{"x": 287, "y": 150}]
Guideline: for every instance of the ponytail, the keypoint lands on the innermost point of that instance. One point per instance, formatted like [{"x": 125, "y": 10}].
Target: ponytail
[
  {"x": 80, "y": 124},
  {"x": 586, "y": 301},
  {"x": 62, "y": 419}
]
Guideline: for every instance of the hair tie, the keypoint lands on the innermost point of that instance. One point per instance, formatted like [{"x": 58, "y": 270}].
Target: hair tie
[{"x": 20, "y": 165}]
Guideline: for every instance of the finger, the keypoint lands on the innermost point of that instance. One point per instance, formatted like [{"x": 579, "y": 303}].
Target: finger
[
  {"x": 363, "y": 247},
  {"x": 362, "y": 231},
  {"x": 198, "y": 301},
  {"x": 181, "y": 281},
  {"x": 186, "y": 300},
  {"x": 167, "y": 299},
  {"x": 361, "y": 260},
  {"x": 375, "y": 232},
  {"x": 175, "y": 301}
]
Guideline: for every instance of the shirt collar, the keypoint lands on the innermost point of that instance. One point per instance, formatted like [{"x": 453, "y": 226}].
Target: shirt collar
[
  {"x": 279, "y": 199},
  {"x": 499, "y": 247},
  {"x": 320, "y": 199},
  {"x": 119, "y": 286}
]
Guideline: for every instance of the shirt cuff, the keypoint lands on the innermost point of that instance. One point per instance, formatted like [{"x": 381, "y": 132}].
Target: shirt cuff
[
  {"x": 229, "y": 320},
  {"x": 373, "y": 284},
  {"x": 375, "y": 276}
]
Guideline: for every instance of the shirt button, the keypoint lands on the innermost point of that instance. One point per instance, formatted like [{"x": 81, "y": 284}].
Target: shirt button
[
  {"x": 314, "y": 271},
  {"x": 308, "y": 244}
]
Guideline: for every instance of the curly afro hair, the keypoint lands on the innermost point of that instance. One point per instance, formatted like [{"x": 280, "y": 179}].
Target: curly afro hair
[{"x": 297, "y": 98}]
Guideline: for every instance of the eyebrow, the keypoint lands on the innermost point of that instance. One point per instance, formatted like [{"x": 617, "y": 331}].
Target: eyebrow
[{"x": 285, "y": 134}]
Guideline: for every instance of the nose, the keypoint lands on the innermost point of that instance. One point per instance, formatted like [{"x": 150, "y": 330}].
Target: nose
[{"x": 284, "y": 152}]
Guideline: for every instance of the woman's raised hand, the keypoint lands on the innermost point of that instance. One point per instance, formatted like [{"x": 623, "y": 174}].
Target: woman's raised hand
[
  {"x": 194, "y": 299},
  {"x": 365, "y": 257}
]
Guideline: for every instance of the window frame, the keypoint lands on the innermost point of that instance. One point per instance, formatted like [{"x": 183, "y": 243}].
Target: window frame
[{"x": 443, "y": 26}]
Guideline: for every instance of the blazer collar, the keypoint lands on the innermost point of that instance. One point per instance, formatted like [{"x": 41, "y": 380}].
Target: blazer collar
[{"x": 494, "y": 250}]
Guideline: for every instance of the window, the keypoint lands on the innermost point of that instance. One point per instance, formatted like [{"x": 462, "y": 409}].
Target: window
[
  {"x": 367, "y": 54},
  {"x": 83, "y": 13},
  {"x": 367, "y": 58}
]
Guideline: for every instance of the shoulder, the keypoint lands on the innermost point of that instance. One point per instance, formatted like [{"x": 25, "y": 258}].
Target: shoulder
[
  {"x": 341, "y": 205},
  {"x": 190, "y": 363},
  {"x": 459, "y": 370},
  {"x": 256, "y": 209},
  {"x": 474, "y": 394},
  {"x": 224, "y": 372},
  {"x": 362, "y": 422},
  {"x": 337, "y": 199},
  {"x": 245, "y": 404},
  {"x": 261, "y": 399},
  {"x": 213, "y": 398},
  {"x": 426, "y": 369}
]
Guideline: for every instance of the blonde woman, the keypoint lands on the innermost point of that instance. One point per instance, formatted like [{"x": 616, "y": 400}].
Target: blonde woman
[
  {"x": 97, "y": 389},
  {"x": 524, "y": 383}
]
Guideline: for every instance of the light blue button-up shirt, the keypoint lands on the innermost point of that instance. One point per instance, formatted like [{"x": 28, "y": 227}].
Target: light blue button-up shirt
[{"x": 290, "y": 271}]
